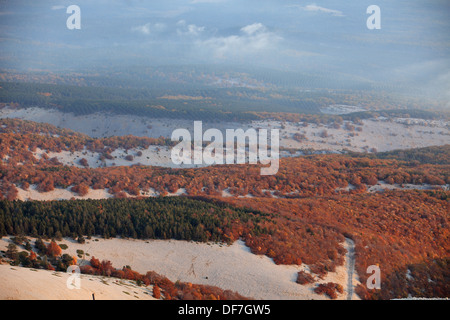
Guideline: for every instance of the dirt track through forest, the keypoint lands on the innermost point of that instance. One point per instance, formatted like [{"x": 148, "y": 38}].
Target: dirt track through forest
[{"x": 350, "y": 267}]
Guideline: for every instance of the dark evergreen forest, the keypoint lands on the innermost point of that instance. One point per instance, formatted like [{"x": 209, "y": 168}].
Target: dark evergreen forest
[{"x": 152, "y": 218}]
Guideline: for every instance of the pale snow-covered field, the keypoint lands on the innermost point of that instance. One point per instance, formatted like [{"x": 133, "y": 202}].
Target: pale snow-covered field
[
  {"x": 381, "y": 134},
  {"x": 66, "y": 194},
  {"x": 339, "y": 109},
  {"x": 59, "y": 194},
  {"x": 106, "y": 125},
  {"x": 159, "y": 156},
  {"x": 382, "y": 186},
  {"x": 373, "y": 135},
  {"x": 231, "y": 267},
  {"x": 17, "y": 283}
]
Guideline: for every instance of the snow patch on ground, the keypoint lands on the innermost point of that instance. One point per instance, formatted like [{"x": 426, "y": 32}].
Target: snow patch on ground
[
  {"x": 338, "y": 109},
  {"x": 59, "y": 194},
  {"x": 379, "y": 134},
  {"x": 30, "y": 284},
  {"x": 231, "y": 267}
]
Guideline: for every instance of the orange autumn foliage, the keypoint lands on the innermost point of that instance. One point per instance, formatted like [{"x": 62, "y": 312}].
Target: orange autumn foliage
[{"x": 53, "y": 249}]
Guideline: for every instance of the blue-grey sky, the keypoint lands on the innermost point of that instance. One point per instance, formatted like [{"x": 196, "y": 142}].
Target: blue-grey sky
[{"x": 327, "y": 36}]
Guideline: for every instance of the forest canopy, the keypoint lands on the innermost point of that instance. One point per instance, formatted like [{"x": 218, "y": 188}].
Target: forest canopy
[{"x": 153, "y": 218}]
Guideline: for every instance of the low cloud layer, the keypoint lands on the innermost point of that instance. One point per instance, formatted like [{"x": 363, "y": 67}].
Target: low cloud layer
[
  {"x": 253, "y": 39},
  {"x": 314, "y": 7},
  {"x": 327, "y": 36},
  {"x": 150, "y": 28}
]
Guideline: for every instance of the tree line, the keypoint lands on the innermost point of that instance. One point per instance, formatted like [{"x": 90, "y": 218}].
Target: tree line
[{"x": 151, "y": 218}]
